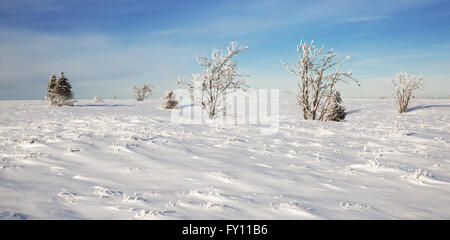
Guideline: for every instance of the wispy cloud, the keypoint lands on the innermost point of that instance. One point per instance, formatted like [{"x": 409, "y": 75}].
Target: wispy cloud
[
  {"x": 233, "y": 18},
  {"x": 108, "y": 46}
]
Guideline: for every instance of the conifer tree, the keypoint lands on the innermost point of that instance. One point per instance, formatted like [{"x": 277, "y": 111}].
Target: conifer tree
[
  {"x": 51, "y": 89},
  {"x": 63, "y": 91},
  {"x": 336, "y": 111}
]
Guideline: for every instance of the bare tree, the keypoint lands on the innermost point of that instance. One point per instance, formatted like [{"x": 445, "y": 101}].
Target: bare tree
[
  {"x": 403, "y": 88},
  {"x": 318, "y": 72},
  {"x": 142, "y": 91},
  {"x": 208, "y": 88},
  {"x": 168, "y": 100}
]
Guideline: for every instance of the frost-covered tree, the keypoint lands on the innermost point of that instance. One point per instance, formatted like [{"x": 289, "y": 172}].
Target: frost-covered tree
[
  {"x": 168, "y": 100},
  {"x": 63, "y": 91},
  {"x": 51, "y": 90},
  {"x": 403, "y": 88},
  {"x": 142, "y": 91},
  {"x": 59, "y": 91},
  {"x": 209, "y": 87},
  {"x": 336, "y": 112},
  {"x": 318, "y": 72}
]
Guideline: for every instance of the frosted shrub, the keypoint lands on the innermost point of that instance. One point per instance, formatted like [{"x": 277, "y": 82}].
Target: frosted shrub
[
  {"x": 142, "y": 91},
  {"x": 208, "y": 88},
  {"x": 403, "y": 88},
  {"x": 97, "y": 99},
  {"x": 318, "y": 71},
  {"x": 168, "y": 100},
  {"x": 59, "y": 91}
]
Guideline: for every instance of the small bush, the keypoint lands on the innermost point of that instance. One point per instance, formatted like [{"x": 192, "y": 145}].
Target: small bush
[
  {"x": 169, "y": 101},
  {"x": 97, "y": 99},
  {"x": 403, "y": 88},
  {"x": 141, "y": 92}
]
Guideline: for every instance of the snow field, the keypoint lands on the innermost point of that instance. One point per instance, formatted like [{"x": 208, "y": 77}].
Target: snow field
[{"x": 123, "y": 159}]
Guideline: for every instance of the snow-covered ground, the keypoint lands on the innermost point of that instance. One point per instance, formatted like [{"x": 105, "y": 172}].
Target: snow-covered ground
[{"x": 126, "y": 160}]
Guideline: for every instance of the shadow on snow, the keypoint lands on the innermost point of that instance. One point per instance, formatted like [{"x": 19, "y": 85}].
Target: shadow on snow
[
  {"x": 427, "y": 106},
  {"x": 103, "y": 105},
  {"x": 353, "y": 111}
]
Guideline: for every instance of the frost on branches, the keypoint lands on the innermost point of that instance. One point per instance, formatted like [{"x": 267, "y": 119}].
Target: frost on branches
[
  {"x": 142, "y": 91},
  {"x": 403, "y": 88},
  {"x": 59, "y": 91},
  {"x": 208, "y": 88},
  {"x": 168, "y": 100},
  {"x": 318, "y": 72}
]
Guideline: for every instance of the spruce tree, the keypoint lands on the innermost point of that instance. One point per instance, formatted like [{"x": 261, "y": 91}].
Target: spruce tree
[
  {"x": 51, "y": 89},
  {"x": 63, "y": 91},
  {"x": 336, "y": 111}
]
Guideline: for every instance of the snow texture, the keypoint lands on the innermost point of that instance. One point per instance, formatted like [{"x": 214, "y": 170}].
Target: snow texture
[{"x": 123, "y": 159}]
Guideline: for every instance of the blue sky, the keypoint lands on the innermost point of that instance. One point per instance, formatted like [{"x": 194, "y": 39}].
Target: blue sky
[{"x": 106, "y": 47}]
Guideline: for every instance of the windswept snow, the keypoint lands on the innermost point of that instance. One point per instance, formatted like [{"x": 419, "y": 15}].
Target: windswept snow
[{"x": 126, "y": 160}]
